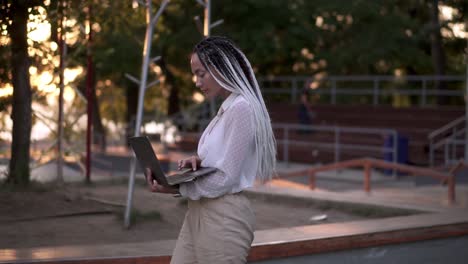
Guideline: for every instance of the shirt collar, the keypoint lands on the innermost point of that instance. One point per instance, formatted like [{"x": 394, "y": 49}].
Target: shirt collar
[{"x": 227, "y": 103}]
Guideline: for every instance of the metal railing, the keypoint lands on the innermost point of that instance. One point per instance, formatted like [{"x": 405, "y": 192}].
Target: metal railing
[
  {"x": 337, "y": 146},
  {"x": 453, "y": 145},
  {"x": 373, "y": 87},
  {"x": 450, "y": 137},
  {"x": 197, "y": 116},
  {"x": 368, "y": 164}
]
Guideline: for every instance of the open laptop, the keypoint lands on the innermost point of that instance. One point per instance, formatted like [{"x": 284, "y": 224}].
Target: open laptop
[{"x": 148, "y": 159}]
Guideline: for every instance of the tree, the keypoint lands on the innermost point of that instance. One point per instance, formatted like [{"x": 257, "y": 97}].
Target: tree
[
  {"x": 176, "y": 35},
  {"x": 15, "y": 14},
  {"x": 437, "y": 51},
  {"x": 78, "y": 55},
  {"x": 118, "y": 47},
  {"x": 349, "y": 37},
  {"x": 117, "y": 51}
]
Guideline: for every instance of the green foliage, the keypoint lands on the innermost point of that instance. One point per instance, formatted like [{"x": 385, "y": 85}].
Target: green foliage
[
  {"x": 349, "y": 37},
  {"x": 283, "y": 37}
]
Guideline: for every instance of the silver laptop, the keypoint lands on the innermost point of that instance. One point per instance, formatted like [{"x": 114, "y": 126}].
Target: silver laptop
[{"x": 148, "y": 159}]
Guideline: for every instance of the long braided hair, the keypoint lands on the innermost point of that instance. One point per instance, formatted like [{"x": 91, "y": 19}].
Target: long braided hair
[{"x": 232, "y": 70}]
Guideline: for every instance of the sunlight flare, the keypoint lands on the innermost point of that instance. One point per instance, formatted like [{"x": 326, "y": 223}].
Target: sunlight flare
[{"x": 6, "y": 90}]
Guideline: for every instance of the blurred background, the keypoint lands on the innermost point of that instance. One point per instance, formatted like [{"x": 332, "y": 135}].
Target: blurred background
[{"x": 383, "y": 79}]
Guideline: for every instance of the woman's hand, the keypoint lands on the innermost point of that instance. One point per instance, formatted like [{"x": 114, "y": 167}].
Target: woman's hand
[
  {"x": 154, "y": 186},
  {"x": 190, "y": 162}
]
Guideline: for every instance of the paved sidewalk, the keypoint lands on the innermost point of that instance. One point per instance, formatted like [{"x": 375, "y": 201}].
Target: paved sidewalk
[{"x": 344, "y": 187}]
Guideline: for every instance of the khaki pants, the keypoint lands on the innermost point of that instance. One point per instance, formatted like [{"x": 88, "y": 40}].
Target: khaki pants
[{"x": 218, "y": 230}]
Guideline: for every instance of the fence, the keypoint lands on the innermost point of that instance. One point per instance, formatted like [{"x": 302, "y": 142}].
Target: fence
[
  {"x": 375, "y": 89},
  {"x": 367, "y": 164},
  {"x": 452, "y": 138},
  {"x": 337, "y": 146}
]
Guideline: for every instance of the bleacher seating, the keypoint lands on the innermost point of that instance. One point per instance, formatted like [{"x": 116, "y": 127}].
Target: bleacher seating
[{"x": 413, "y": 123}]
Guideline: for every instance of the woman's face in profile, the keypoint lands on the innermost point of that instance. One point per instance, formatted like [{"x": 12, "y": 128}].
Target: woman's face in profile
[{"x": 205, "y": 81}]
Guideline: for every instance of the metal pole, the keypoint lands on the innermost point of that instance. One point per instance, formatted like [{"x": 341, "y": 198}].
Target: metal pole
[
  {"x": 367, "y": 177},
  {"x": 337, "y": 147},
  {"x": 337, "y": 144},
  {"x": 451, "y": 189},
  {"x": 395, "y": 152},
  {"x": 312, "y": 180},
  {"x": 207, "y": 19},
  {"x": 141, "y": 94},
  {"x": 89, "y": 96},
  {"x": 466, "y": 98},
  {"x": 62, "y": 46},
  {"x": 286, "y": 146}
]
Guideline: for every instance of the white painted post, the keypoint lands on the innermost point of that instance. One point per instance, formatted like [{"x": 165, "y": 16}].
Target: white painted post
[
  {"x": 207, "y": 19},
  {"x": 150, "y": 21}
]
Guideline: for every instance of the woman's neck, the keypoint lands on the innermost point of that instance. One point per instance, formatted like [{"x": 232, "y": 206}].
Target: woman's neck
[{"x": 225, "y": 94}]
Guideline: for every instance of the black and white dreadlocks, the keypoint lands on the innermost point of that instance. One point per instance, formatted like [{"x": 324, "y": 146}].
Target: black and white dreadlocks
[{"x": 232, "y": 70}]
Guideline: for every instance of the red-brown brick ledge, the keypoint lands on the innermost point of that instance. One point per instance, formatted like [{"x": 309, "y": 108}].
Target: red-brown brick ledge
[{"x": 268, "y": 244}]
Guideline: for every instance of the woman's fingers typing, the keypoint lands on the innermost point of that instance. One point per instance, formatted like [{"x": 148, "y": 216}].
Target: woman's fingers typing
[
  {"x": 194, "y": 162},
  {"x": 190, "y": 162}
]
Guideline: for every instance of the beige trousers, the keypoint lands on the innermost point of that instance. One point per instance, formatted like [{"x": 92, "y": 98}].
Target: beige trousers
[{"x": 218, "y": 230}]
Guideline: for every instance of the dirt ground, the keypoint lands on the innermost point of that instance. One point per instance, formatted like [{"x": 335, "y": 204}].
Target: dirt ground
[{"x": 76, "y": 214}]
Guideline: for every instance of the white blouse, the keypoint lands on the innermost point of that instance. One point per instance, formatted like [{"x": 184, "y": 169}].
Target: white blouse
[{"x": 228, "y": 145}]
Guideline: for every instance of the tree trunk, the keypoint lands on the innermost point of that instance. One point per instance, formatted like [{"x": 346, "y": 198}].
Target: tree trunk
[
  {"x": 62, "y": 5},
  {"x": 173, "y": 105},
  {"x": 132, "y": 104},
  {"x": 52, "y": 13},
  {"x": 21, "y": 113},
  {"x": 438, "y": 55},
  {"x": 99, "y": 133}
]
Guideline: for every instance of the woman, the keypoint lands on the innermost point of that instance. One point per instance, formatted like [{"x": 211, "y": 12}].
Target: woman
[{"x": 239, "y": 142}]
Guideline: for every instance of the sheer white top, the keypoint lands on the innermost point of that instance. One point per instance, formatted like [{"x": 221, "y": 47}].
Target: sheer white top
[{"x": 228, "y": 145}]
